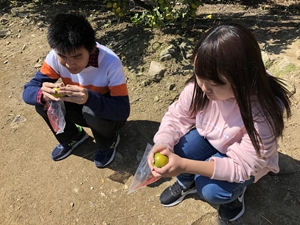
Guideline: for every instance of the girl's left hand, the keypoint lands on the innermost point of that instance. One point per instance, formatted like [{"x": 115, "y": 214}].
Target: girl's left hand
[
  {"x": 74, "y": 94},
  {"x": 174, "y": 167}
]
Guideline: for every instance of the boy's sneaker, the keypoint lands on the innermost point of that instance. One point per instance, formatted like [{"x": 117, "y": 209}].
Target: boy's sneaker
[
  {"x": 233, "y": 210},
  {"x": 62, "y": 151},
  {"x": 175, "y": 194},
  {"x": 104, "y": 157}
]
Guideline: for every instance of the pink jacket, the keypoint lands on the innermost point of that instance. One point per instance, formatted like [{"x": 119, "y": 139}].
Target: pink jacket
[{"x": 221, "y": 123}]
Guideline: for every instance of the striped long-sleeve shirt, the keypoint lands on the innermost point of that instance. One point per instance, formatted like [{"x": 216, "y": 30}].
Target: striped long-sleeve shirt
[{"x": 103, "y": 78}]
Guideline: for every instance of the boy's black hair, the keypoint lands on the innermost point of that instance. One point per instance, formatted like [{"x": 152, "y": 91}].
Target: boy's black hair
[{"x": 69, "y": 32}]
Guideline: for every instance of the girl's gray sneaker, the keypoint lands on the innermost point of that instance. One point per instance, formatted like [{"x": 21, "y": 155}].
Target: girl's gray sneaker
[
  {"x": 175, "y": 194},
  {"x": 233, "y": 210}
]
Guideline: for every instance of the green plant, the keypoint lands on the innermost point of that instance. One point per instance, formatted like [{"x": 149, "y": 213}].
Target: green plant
[{"x": 155, "y": 13}]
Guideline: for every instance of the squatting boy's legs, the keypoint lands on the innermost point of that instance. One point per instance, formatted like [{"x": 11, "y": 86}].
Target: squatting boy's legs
[
  {"x": 217, "y": 191},
  {"x": 70, "y": 129},
  {"x": 104, "y": 131}
]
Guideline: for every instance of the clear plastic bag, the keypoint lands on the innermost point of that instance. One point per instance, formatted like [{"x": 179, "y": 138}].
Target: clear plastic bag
[
  {"x": 56, "y": 114},
  {"x": 143, "y": 175}
]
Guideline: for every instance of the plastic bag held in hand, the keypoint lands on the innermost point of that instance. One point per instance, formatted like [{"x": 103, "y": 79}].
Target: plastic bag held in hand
[
  {"x": 56, "y": 114},
  {"x": 143, "y": 175}
]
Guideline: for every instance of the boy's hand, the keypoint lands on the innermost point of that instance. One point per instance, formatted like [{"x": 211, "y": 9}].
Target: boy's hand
[
  {"x": 48, "y": 91},
  {"x": 74, "y": 94}
]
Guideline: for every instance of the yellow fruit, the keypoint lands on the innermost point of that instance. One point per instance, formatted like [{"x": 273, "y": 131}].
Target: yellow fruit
[
  {"x": 115, "y": 5},
  {"x": 168, "y": 16},
  {"x": 109, "y": 5},
  {"x": 56, "y": 94},
  {"x": 120, "y": 14},
  {"x": 192, "y": 14},
  {"x": 160, "y": 160},
  {"x": 154, "y": 25},
  {"x": 194, "y": 6},
  {"x": 184, "y": 24},
  {"x": 208, "y": 16},
  {"x": 118, "y": 10}
]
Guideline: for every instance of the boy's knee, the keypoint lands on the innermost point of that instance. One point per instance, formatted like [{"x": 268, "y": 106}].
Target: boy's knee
[{"x": 40, "y": 110}]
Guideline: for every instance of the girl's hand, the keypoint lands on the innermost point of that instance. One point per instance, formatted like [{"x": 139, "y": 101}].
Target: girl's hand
[
  {"x": 74, "y": 94},
  {"x": 174, "y": 167},
  {"x": 155, "y": 149}
]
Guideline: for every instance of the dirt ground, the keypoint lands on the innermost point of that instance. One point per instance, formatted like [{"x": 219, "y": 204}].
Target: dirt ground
[{"x": 36, "y": 190}]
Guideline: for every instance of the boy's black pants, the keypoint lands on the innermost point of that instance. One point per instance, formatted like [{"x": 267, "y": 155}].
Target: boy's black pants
[{"x": 103, "y": 130}]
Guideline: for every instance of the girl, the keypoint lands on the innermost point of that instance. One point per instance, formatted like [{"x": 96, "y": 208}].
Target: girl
[{"x": 222, "y": 133}]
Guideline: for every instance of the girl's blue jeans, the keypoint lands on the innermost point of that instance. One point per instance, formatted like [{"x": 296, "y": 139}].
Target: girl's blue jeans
[{"x": 194, "y": 146}]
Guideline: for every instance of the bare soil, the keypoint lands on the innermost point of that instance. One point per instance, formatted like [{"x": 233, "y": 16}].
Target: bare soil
[{"x": 36, "y": 190}]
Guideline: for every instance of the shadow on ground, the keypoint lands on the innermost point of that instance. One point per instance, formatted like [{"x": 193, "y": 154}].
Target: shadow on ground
[{"x": 134, "y": 138}]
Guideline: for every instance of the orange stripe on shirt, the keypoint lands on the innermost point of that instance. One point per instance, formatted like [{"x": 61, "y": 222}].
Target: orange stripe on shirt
[
  {"x": 48, "y": 71},
  {"x": 119, "y": 90}
]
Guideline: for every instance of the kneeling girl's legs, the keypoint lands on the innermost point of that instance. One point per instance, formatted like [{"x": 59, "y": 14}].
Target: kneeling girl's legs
[
  {"x": 192, "y": 146},
  {"x": 218, "y": 191}
]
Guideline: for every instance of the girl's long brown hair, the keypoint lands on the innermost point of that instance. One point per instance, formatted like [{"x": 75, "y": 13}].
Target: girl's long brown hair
[{"x": 232, "y": 51}]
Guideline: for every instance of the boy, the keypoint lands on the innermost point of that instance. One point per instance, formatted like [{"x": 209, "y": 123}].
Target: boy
[{"x": 93, "y": 85}]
